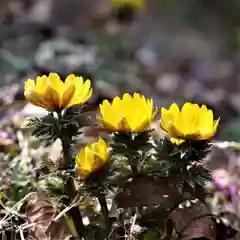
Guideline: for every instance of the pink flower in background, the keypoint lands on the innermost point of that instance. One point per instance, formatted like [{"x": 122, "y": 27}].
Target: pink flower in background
[
  {"x": 3, "y": 134},
  {"x": 221, "y": 178}
]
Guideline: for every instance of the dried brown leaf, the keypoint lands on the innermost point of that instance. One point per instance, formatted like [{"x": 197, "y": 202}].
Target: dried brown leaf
[
  {"x": 194, "y": 221},
  {"x": 204, "y": 227},
  {"x": 41, "y": 213},
  {"x": 149, "y": 191}
]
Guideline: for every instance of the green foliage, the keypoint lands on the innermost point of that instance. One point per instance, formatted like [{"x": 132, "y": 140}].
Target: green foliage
[
  {"x": 44, "y": 128},
  {"x": 17, "y": 183},
  {"x": 50, "y": 127},
  {"x": 133, "y": 147},
  {"x": 184, "y": 161}
]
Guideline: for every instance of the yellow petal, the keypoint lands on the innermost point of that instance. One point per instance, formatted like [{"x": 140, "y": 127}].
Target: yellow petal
[
  {"x": 155, "y": 113},
  {"x": 86, "y": 87},
  {"x": 108, "y": 113},
  {"x": 80, "y": 157},
  {"x": 70, "y": 80},
  {"x": 56, "y": 81},
  {"x": 174, "y": 108},
  {"x": 166, "y": 119},
  {"x": 91, "y": 158},
  {"x": 144, "y": 126},
  {"x": 108, "y": 125},
  {"x": 88, "y": 95},
  {"x": 52, "y": 97},
  {"x": 83, "y": 172},
  {"x": 41, "y": 84},
  {"x": 29, "y": 85},
  {"x": 67, "y": 96},
  {"x": 103, "y": 152},
  {"x": 37, "y": 100},
  {"x": 215, "y": 124},
  {"x": 83, "y": 91}
]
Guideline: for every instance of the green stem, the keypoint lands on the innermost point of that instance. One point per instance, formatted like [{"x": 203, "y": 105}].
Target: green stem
[
  {"x": 70, "y": 186},
  {"x": 105, "y": 212},
  {"x": 133, "y": 166},
  {"x": 66, "y": 154},
  {"x": 75, "y": 212},
  {"x": 71, "y": 226},
  {"x": 134, "y": 169}
]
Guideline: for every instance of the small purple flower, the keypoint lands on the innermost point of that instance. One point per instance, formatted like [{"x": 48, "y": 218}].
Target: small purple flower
[
  {"x": 221, "y": 179},
  {"x": 232, "y": 189},
  {"x": 3, "y": 134}
]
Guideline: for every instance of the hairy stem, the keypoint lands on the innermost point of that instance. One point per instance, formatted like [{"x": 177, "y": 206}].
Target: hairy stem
[
  {"x": 71, "y": 226},
  {"x": 75, "y": 212},
  {"x": 66, "y": 153},
  {"x": 105, "y": 212},
  {"x": 70, "y": 186},
  {"x": 134, "y": 169}
]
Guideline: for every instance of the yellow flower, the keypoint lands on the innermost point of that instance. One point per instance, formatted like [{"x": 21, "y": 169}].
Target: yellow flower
[
  {"x": 130, "y": 3},
  {"x": 52, "y": 93},
  {"x": 129, "y": 114},
  {"x": 191, "y": 122},
  {"x": 91, "y": 158}
]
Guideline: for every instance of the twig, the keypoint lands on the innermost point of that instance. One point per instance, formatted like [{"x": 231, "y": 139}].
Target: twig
[
  {"x": 74, "y": 204},
  {"x": 28, "y": 225},
  {"x": 64, "y": 211},
  {"x": 109, "y": 235},
  {"x": 133, "y": 224},
  {"x": 22, "y": 235},
  {"x": 11, "y": 209}
]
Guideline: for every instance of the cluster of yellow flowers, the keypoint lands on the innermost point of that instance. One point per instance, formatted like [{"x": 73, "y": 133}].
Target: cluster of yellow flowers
[{"x": 127, "y": 114}]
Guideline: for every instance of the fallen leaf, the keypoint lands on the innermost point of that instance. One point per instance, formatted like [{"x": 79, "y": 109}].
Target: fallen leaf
[
  {"x": 40, "y": 212},
  {"x": 201, "y": 228},
  {"x": 149, "y": 191},
  {"x": 192, "y": 220}
]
